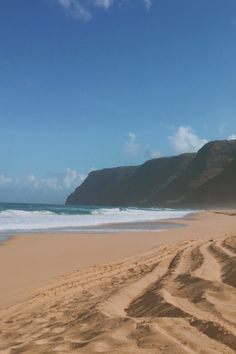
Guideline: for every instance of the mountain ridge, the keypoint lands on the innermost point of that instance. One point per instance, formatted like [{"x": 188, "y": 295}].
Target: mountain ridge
[{"x": 186, "y": 180}]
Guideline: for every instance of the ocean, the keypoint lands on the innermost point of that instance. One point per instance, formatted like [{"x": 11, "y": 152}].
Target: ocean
[{"x": 18, "y": 218}]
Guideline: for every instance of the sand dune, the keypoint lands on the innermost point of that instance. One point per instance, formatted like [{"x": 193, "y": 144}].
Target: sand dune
[{"x": 178, "y": 298}]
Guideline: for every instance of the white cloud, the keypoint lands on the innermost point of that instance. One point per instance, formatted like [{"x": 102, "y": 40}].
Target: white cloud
[
  {"x": 184, "y": 139},
  {"x": 131, "y": 146},
  {"x": 232, "y": 137},
  {"x": 147, "y": 4},
  {"x": 82, "y": 9},
  {"x": 72, "y": 178},
  {"x": 152, "y": 153},
  {"x": 105, "y": 4},
  {"x": 4, "y": 179},
  {"x": 75, "y": 9},
  {"x": 52, "y": 183},
  {"x": 67, "y": 180}
]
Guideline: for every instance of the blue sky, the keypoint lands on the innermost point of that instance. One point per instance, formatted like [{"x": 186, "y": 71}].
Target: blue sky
[{"x": 87, "y": 84}]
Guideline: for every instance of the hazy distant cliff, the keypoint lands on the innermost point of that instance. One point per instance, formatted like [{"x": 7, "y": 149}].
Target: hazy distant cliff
[{"x": 207, "y": 178}]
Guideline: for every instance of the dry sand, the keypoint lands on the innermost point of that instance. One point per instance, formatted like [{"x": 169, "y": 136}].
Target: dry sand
[{"x": 176, "y": 297}]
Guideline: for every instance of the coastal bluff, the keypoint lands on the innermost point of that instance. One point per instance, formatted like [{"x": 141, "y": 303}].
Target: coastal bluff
[{"x": 192, "y": 180}]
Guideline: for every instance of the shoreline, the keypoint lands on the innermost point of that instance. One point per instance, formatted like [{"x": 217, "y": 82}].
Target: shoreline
[
  {"x": 112, "y": 228},
  {"x": 39, "y": 257},
  {"x": 82, "y": 220},
  {"x": 172, "y": 223},
  {"x": 132, "y": 226}
]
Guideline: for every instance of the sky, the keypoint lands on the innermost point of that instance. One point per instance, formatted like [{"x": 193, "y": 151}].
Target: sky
[{"x": 89, "y": 84}]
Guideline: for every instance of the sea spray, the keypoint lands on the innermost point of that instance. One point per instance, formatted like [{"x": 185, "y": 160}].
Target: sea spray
[{"x": 36, "y": 217}]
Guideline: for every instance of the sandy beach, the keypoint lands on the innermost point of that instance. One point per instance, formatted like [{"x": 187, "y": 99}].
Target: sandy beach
[{"x": 157, "y": 292}]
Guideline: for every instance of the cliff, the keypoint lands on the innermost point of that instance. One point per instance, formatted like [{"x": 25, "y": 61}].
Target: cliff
[
  {"x": 207, "y": 178},
  {"x": 220, "y": 191},
  {"x": 101, "y": 187}
]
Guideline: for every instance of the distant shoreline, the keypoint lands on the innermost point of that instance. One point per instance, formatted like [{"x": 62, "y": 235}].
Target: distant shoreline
[{"x": 27, "y": 218}]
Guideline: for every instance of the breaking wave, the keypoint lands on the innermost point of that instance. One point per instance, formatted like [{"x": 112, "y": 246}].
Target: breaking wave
[{"x": 28, "y": 217}]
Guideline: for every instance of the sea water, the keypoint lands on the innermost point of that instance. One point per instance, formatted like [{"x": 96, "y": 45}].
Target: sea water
[{"x": 18, "y": 218}]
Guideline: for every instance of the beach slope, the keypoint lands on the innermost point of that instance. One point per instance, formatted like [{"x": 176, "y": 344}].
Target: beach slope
[{"x": 178, "y": 297}]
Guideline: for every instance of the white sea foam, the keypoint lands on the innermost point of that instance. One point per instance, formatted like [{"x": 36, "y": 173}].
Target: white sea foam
[{"x": 20, "y": 220}]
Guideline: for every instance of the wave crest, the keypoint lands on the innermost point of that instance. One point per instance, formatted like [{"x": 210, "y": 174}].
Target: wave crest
[{"x": 79, "y": 218}]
